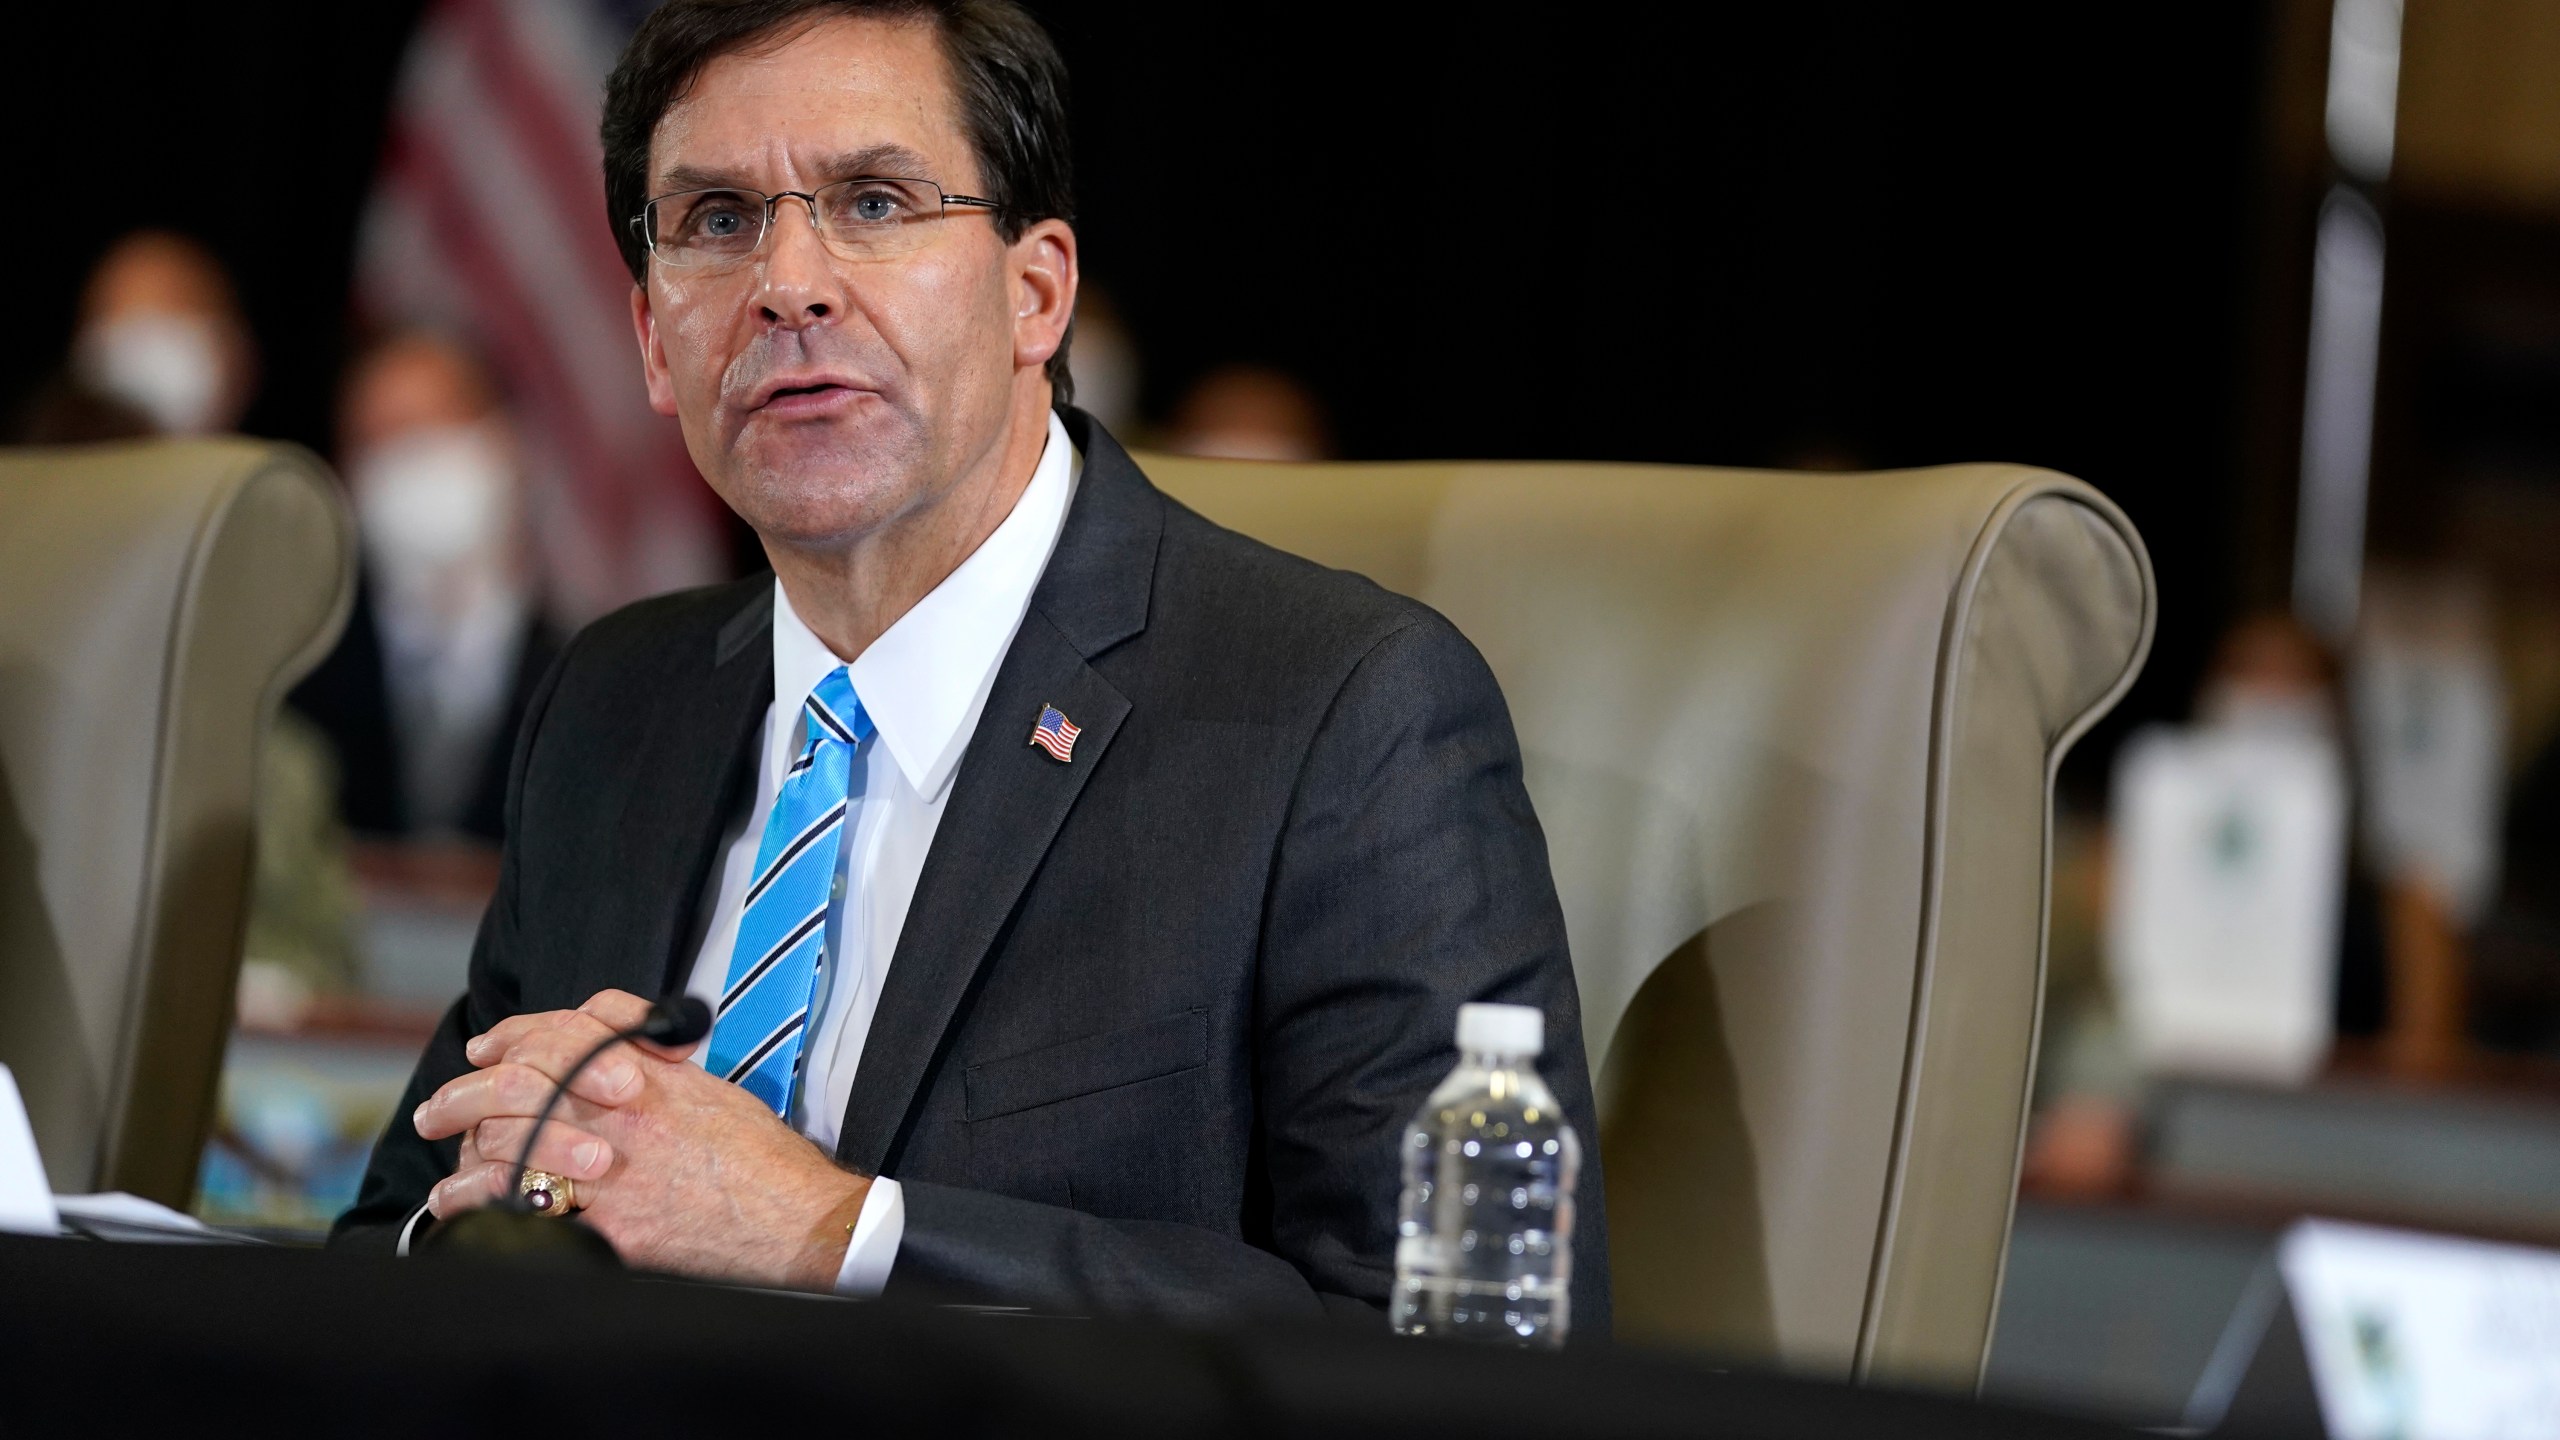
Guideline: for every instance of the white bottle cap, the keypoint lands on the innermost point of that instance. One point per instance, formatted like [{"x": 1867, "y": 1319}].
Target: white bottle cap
[{"x": 1502, "y": 1029}]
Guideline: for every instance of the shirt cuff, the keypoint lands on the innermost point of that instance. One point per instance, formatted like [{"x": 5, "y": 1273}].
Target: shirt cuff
[
  {"x": 876, "y": 1233},
  {"x": 412, "y": 1228}
]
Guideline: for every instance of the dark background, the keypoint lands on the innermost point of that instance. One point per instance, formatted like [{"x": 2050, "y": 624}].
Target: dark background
[{"x": 1753, "y": 234}]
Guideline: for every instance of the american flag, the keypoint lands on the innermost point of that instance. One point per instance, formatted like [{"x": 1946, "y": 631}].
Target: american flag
[
  {"x": 487, "y": 221},
  {"x": 1055, "y": 734}
]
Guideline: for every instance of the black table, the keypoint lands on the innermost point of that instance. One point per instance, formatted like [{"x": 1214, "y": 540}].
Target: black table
[{"x": 114, "y": 1339}]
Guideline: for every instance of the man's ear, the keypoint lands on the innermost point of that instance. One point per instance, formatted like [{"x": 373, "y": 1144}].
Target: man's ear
[
  {"x": 1044, "y": 291},
  {"x": 653, "y": 355}
]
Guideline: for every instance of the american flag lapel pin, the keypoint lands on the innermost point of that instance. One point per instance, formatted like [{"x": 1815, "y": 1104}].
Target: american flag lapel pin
[{"x": 1056, "y": 734}]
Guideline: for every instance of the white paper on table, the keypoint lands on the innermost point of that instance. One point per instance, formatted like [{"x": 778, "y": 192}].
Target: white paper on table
[
  {"x": 2227, "y": 876},
  {"x": 2426, "y": 1335},
  {"x": 26, "y": 1200},
  {"x": 115, "y": 1207}
]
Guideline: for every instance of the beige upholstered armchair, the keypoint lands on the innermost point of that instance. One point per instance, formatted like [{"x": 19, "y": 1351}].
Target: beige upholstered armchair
[
  {"x": 156, "y": 600},
  {"x": 1793, "y": 739}
]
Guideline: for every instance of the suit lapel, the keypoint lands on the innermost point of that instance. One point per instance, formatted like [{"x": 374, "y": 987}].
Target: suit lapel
[
  {"x": 1007, "y": 804},
  {"x": 1010, "y": 798},
  {"x": 685, "y": 784}
]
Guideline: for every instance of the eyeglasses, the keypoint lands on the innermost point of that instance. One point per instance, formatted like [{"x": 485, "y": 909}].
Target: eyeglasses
[{"x": 860, "y": 219}]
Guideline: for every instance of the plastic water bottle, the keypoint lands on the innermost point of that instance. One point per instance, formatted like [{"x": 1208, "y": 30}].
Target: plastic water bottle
[{"x": 1484, "y": 1241}]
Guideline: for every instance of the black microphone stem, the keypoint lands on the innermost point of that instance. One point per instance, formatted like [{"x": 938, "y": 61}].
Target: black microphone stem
[
  {"x": 524, "y": 1153},
  {"x": 510, "y": 1230},
  {"x": 675, "y": 1020}
]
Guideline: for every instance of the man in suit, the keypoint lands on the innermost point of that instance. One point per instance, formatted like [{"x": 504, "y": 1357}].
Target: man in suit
[{"x": 1086, "y": 940}]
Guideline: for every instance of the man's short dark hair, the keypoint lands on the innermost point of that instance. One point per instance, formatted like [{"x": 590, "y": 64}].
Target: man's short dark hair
[{"x": 1011, "y": 81}]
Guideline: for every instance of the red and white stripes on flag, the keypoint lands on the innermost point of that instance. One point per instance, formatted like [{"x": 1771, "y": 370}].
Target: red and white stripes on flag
[
  {"x": 1056, "y": 734},
  {"x": 487, "y": 220}
]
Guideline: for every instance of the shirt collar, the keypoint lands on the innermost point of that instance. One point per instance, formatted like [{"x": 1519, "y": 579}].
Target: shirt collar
[{"x": 927, "y": 674}]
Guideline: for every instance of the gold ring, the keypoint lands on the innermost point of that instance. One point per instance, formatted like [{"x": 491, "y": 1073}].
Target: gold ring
[{"x": 547, "y": 1195}]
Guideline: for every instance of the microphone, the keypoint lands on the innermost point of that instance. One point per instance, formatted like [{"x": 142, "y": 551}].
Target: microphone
[
  {"x": 511, "y": 1228},
  {"x": 674, "y": 1020}
]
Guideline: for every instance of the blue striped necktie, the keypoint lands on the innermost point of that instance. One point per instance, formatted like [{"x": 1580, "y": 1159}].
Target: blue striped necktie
[{"x": 763, "y": 1015}]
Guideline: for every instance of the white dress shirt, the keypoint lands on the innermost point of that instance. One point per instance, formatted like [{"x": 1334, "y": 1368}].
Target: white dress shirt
[{"x": 923, "y": 683}]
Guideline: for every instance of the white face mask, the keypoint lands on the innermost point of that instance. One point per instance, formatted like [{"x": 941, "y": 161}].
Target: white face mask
[
  {"x": 166, "y": 365},
  {"x": 433, "y": 504}
]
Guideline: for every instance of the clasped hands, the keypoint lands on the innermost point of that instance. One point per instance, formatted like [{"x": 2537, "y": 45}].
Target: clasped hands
[{"x": 680, "y": 1170}]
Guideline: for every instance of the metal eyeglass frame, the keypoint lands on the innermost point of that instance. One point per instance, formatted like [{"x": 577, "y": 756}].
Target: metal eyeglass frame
[{"x": 809, "y": 199}]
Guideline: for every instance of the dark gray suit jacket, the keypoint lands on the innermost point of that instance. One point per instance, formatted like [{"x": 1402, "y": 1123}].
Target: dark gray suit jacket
[{"x": 1158, "y": 1016}]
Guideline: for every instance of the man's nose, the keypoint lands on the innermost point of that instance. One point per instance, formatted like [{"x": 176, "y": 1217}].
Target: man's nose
[{"x": 796, "y": 283}]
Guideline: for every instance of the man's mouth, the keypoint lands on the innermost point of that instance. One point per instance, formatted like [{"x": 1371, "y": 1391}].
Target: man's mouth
[
  {"x": 817, "y": 394},
  {"x": 787, "y": 391}
]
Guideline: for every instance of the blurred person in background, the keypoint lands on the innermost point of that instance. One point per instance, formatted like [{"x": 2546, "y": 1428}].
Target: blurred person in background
[
  {"x": 161, "y": 349},
  {"x": 161, "y": 333},
  {"x": 2083, "y": 1138},
  {"x": 2270, "y": 678},
  {"x": 1250, "y": 412},
  {"x": 1106, "y": 369},
  {"x": 2271, "y": 674},
  {"x": 423, "y": 695},
  {"x": 2430, "y": 711},
  {"x": 301, "y": 946}
]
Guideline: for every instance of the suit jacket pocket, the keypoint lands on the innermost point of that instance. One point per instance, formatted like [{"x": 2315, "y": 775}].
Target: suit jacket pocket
[{"x": 1114, "y": 1058}]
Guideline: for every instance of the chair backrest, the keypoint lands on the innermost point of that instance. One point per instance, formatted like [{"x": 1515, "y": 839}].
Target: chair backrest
[
  {"x": 156, "y": 599},
  {"x": 1792, "y": 737}
]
